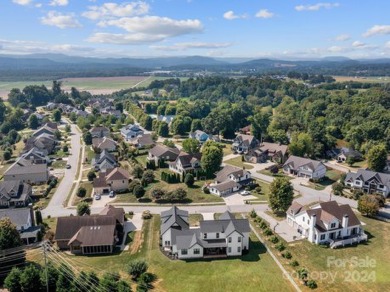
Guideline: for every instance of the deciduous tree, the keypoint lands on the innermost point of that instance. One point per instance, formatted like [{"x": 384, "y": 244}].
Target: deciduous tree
[{"x": 281, "y": 195}]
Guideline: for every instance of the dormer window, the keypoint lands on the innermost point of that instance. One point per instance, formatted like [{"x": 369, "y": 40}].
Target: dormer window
[
  {"x": 333, "y": 225},
  {"x": 205, "y": 235}
]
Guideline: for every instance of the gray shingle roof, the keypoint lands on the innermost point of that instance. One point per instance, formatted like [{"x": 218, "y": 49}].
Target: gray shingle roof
[
  {"x": 18, "y": 216},
  {"x": 174, "y": 216},
  {"x": 161, "y": 150},
  {"x": 296, "y": 162},
  {"x": 227, "y": 170},
  {"x": 366, "y": 175},
  {"x": 15, "y": 190}
]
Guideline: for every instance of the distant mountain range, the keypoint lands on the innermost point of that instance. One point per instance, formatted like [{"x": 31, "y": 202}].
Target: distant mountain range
[{"x": 49, "y": 66}]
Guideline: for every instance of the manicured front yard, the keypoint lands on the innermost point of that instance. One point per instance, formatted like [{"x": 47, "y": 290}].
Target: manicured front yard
[
  {"x": 365, "y": 267},
  {"x": 255, "y": 271},
  {"x": 331, "y": 176},
  {"x": 237, "y": 161}
]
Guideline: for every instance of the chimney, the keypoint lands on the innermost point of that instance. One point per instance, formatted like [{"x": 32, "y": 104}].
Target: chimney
[
  {"x": 345, "y": 221},
  {"x": 30, "y": 206},
  {"x": 313, "y": 220}
]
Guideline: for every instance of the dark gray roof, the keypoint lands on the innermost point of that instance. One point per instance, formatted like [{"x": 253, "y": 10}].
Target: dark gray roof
[
  {"x": 243, "y": 139},
  {"x": 368, "y": 175},
  {"x": 185, "y": 239},
  {"x": 104, "y": 155},
  {"x": 226, "y": 216},
  {"x": 226, "y": 226},
  {"x": 226, "y": 185},
  {"x": 227, "y": 170},
  {"x": 18, "y": 216},
  {"x": 295, "y": 162},
  {"x": 172, "y": 217},
  {"x": 15, "y": 190},
  {"x": 16, "y": 169},
  {"x": 273, "y": 148}
]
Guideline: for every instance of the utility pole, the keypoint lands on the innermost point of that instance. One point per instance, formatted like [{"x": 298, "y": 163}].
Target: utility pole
[{"x": 44, "y": 254}]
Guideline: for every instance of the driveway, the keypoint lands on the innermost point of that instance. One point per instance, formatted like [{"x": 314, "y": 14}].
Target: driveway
[
  {"x": 104, "y": 200},
  {"x": 133, "y": 224},
  {"x": 237, "y": 199},
  {"x": 208, "y": 216},
  {"x": 64, "y": 188}
]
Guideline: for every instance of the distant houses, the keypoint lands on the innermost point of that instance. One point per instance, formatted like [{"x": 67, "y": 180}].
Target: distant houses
[
  {"x": 224, "y": 237},
  {"x": 370, "y": 182},
  {"x": 348, "y": 153},
  {"x": 230, "y": 179},
  {"x": 327, "y": 222},
  {"x": 304, "y": 167}
]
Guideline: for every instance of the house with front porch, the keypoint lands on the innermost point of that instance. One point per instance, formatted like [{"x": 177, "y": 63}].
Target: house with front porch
[
  {"x": 368, "y": 181},
  {"x": 229, "y": 180},
  {"x": 326, "y": 223},
  {"x": 304, "y": 167},
  {"x": 185, "y": 163},
  {"x": 224, "y": 237}
]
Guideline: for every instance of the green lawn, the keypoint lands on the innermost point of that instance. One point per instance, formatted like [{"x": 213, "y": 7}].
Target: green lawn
[
  {"x": 331, "y": 177},
  {"x": 279, "y": 174},
  {"x": 59, "y": 164},
  {"x": 237, "y": 161},
  {"x": 255, "y": 271},
  {"x": 347, "y": 276},
  {"x": 194, "y": 219}
]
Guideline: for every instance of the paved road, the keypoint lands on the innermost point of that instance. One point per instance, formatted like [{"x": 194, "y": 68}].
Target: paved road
[{"x": 55, "y": 206}]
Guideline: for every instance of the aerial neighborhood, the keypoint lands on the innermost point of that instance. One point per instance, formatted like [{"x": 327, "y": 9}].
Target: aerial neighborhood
[{"x": 103, "y": 182}]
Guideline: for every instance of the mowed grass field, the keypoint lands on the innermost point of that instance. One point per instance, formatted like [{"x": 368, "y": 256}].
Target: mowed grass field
[
  {"x": 95, "y": 85},
  {"x": 255, "y": 271},
  {"x": 379, "y": 79}
]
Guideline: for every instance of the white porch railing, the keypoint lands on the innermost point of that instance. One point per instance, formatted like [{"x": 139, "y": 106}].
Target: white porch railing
[{"x": 348, "y": 241}]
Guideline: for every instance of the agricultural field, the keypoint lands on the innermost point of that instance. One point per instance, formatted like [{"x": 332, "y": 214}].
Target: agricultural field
[
  {"x": 379, "y": 79},
  {"x": 95, "y": 85}
]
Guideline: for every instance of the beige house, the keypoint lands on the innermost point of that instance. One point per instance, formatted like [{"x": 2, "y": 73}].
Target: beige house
[
  {"x": 116, "y": 180},
  {"x": 104, "y": 143}
]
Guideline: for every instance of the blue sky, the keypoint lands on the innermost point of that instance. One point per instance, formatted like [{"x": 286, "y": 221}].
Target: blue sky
[{"x": 290, "y": 29}]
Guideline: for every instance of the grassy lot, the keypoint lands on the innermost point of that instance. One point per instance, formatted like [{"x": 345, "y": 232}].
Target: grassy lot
[
  {"x": 237, "y": 161},
  {"x": 194, "y": 219},
  {"x": 331, "y": 177},
  {"x": 255, "y": 271},
  {"x": 347, "y": 275},
  {"x": 279, "y": 174},
  {"x": 360, "y": 164},
  {"x": 89, "y": 153},
  {"x": 88, "y": 186},
  {"x": 38, "y": 191},
  {"x": 59, "y": 164},
  {"x": 227, "y": 149}
]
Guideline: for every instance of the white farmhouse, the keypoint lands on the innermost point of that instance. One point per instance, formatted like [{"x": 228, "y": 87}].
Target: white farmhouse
[
  {"x": 224, "y": 237},
  {"x": 327, "y": 222}
]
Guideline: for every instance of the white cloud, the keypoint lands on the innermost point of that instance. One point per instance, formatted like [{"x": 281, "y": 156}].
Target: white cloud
[
  {"x": 377, "y": 29},
  {"x": 230, "y": 15},
  {"x": 22, "y": 2},
  {"x": 342, "y": 37},
  {"x": 60, "y": 20},
  {"x": 316, "y": 7},
  {"x": 59, "y": 3},
  {"x": 358, "y": 44},
  {"x": 111, "y": 10},
  {"x": 336, "y": 49},
  {"x": 264, "y": 13},
  {"x": 191, "y": 45},
  {"x": 38, "y": 5},
  {"x": 387, "y": 45}
]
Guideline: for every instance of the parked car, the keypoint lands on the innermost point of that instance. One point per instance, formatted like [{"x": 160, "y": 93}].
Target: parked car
[
  {"x": 245, "y": 193},
  {"x": 68, "y": 166},
  {"x": 97, "y": 197},
  {"x": 112, "y": 194}
]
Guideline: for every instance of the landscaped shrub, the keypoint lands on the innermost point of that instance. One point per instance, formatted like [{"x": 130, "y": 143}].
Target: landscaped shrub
[
  {"x": 136, "y": 268},
  {"x": 263, "y": 225},
  {"x": 294, "y": 263},
  {"x": 311, "y": 284},
  {"x": 146, "y": 215},
  {"x": 206, "y": 190},
  {"x": 138, "y": 191},
  {"x": 287, "y": 255},
  {"x": 258, "y": 189},
  {"x": 268, "y": 232},
  {"x": 148, "y": 176},
  {"x": 91, "y": 175},
  {"x": 131, "y": 212},
  {"x": 189, "y": 180},
  {"x": 134, "y": 183},
  {"x": 280, "y": 246},
  {"x": 81, "y": 192},
  {"x": 253, "y": 214},
  {"x": 274, "y": 239}
]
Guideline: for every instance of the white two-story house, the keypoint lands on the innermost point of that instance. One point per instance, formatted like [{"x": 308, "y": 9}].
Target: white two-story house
[
  {"x": 185, "y": 163},
  {"x": 226, "y": 236},
  {"x": 131, "y": 131},
  {"x": 304, "y": 167},
  {"x": 370, "y": 182},
  {"x": 326, "y": 222},
  {"x": 230, "y": 179}
]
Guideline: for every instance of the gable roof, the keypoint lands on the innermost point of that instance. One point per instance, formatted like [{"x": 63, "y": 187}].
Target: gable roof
[
  {"x": 14, "y": 189},
  {"x": 296, "y": 162},
  {"x": 103, "y": 143},
  {"x": 67, "y": 227},
  {"x": 145, "y": 139},
  {"x": 117, "y": 173},
  {"x": 99, "y": 129},
  {"x": 228, "y": 170},
  {"x": 328, "y": 211},
  {"x": 94, "y": 235},
  {"x": 18, "y": 216},
  {"x": 245, "y": 139},
  {"x": 273, "y": 148},
  {"x": 366, "y": 175},
  {"x": 174, "y": 216},
  {"x": 162, "y": 150},
  {"x": 187, "y": 158},
  {"x": 117, "y": 213},
  {"x": 225, "y": 185},
  {"x": 18, "y": 168},
  {"x": 295, "y": 208},
  {"x": 226, "y": 226}
]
